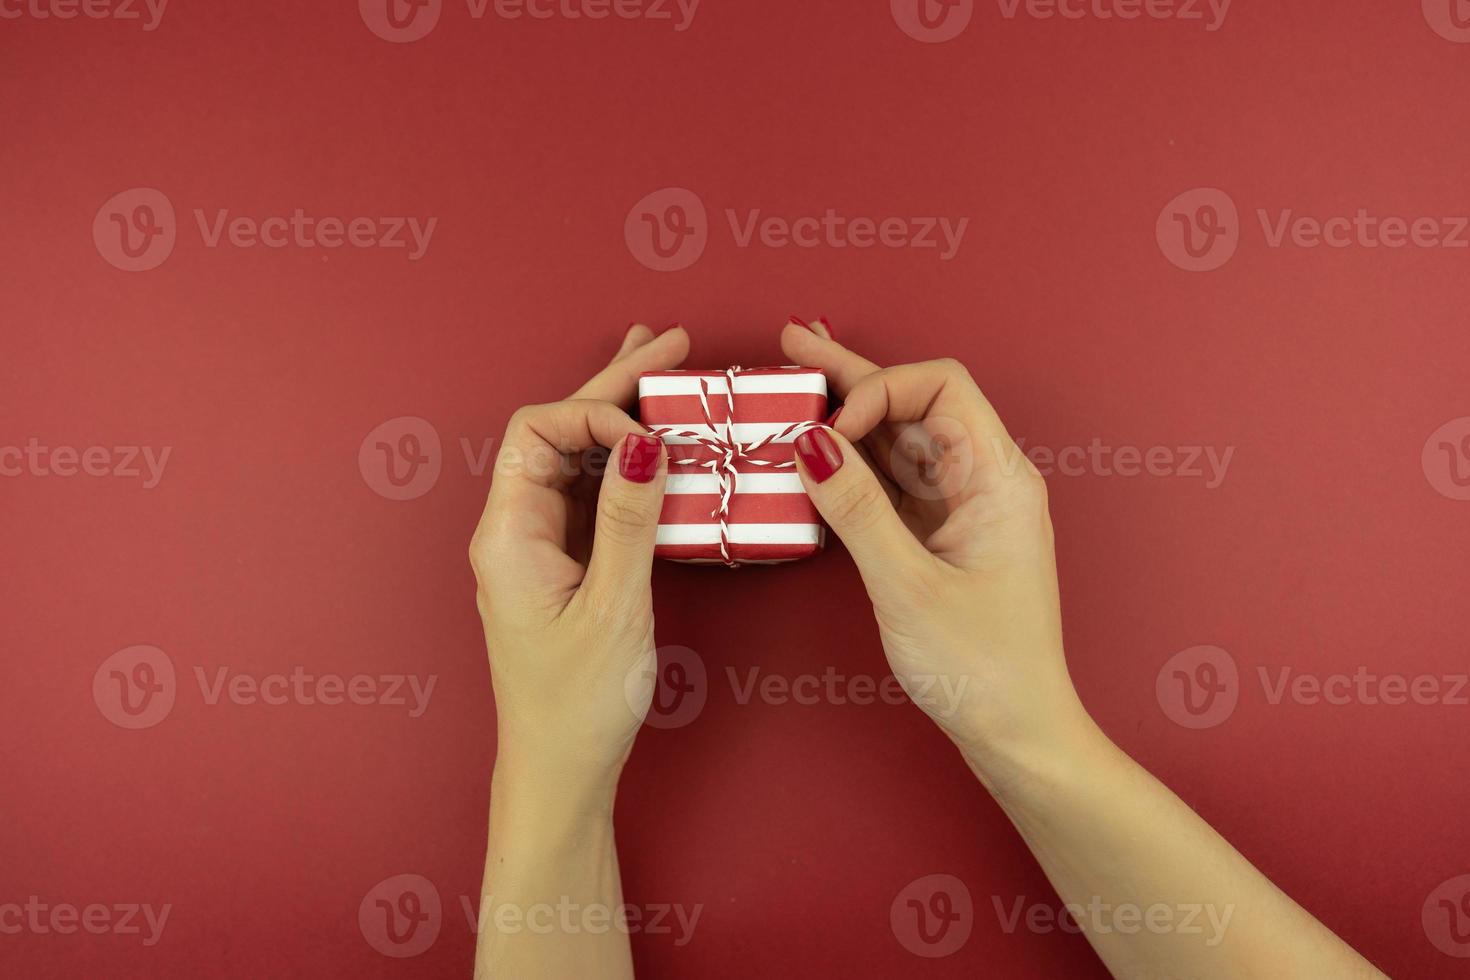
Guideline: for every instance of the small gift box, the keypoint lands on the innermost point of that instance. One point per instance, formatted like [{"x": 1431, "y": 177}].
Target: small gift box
[{"x": 733, "y": 494}]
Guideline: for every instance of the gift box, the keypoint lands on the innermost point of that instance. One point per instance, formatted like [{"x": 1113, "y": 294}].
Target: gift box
[{"x": 733, "y": 494}]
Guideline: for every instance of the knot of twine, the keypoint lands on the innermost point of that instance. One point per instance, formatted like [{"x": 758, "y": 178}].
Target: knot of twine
[{"x": 722, "y": 451}]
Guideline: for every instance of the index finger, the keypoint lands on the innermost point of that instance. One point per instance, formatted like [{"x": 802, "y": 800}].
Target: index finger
[
  {"x": 525, "y": 516},
  {"x": 843, "y": 368},
  {"x": 532, "y": 465},
  {"x": 915, "y": 392},
  {"x": 540, "y": 438},
  {"x": 944, "y": 426},
  {"x": 618, "y": 382},
  {"x": 906, "y": 393}
]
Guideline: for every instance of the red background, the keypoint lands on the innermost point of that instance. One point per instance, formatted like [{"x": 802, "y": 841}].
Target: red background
[{"x": 263, "y": 548}]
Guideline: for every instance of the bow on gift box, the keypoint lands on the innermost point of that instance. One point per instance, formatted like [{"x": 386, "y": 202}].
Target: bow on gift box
[{"x": 721, "y": 452}]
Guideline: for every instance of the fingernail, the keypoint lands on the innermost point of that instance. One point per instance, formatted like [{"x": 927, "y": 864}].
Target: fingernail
[
  {"x": 832, "y": 419},
  {"x": 640, "y": 457},
  {"x": 798, "y": 321},
  {"x": 827, "y": 326},
  {"x": 819, "y": 454}
]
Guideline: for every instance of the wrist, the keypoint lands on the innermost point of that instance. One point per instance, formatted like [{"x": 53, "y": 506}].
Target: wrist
[
  {"x": 1017, "y": 763},
  {"x": 538, "y": 822},
  {"x": 546, "y": 782}
]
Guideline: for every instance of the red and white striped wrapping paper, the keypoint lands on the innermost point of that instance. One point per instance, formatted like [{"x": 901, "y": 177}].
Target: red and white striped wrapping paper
[{"x": 769, "y": 517}]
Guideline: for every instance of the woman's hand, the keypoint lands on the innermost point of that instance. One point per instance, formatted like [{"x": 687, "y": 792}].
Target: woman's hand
[
  {"x": 947, "y": 521},
  {"x": 948, "y": 524},
  {"x": 563, "y": 556}
]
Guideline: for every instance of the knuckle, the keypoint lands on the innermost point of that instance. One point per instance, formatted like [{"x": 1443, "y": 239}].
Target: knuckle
[
  {"x": 1026, "y": 494},
  {"x": 624, "y": 518},
  {"x": 527, "y": 417},
  {"x": 521, "y": 422},
  {"x": 521, "y": 417},
  {"x": 482, "y": 552},
  {"x": 856, "y": 505},
  {"x": 1038, "y": 496},
  {"x": 952, "y": 367},
  {"x": 1033, "y": 484},
  {"x": 479, "y": 545},
  {"x": 1025, "y": 485}
]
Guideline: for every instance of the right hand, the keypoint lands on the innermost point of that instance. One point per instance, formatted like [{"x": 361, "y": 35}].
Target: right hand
[
  {"x": 947, "y": 521},
  {"x": 563, "y": 556}
]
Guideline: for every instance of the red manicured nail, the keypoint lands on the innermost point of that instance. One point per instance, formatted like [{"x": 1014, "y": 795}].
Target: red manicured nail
[
  {"x": 799, "y": 321},
  {"x": 832, "y": 419},
  {"x": 639, "y": 461},
  {"x": 827, "y": 325},
  {"x": 819, "y": 454}
]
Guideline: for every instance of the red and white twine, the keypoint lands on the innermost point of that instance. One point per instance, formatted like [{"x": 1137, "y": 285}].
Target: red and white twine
[{"x": 726, "y": 451}]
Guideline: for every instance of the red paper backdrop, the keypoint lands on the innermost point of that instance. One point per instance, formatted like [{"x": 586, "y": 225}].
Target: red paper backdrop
[{"x": 1329, "y": 547}]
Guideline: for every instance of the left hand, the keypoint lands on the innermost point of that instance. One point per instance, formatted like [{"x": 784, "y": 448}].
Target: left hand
[
  {"x": 948, "y": 523},
  {"x": 563, "y": 557}
]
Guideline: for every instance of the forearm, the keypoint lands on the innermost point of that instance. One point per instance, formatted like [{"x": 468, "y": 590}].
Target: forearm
[
  {"x": 552, "y": 897},
  {"x": 1154, "y": 888}
]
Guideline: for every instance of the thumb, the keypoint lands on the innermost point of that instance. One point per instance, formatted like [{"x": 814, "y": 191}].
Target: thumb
[
  {"x": 628, "y": 508},
  {"x": 853, "y": 503}
]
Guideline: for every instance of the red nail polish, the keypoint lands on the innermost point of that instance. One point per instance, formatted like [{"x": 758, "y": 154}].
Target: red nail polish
[
  {"x": 640, "y": 457},
  {"x": 832, "y": 419},
  {"x": 827, "y": 325},
  {"x": 819, "y": 454},
  {"x": 799, "y": 321}
]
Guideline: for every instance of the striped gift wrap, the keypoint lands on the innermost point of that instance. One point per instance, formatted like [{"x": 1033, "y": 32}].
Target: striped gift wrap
[{"x": 733, "y": 495}]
